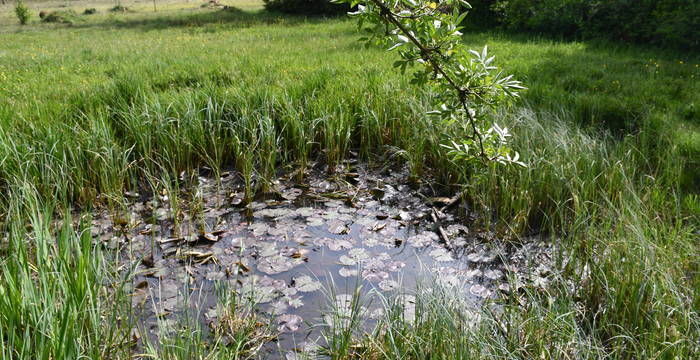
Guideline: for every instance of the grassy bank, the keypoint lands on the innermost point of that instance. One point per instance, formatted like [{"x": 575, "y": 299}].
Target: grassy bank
[{"x": 611, "y": 137}]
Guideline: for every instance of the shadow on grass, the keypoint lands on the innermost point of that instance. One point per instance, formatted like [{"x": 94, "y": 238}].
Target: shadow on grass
[
  {"x": 228, "y": 17},
  {"x": 603, "y": 85}
]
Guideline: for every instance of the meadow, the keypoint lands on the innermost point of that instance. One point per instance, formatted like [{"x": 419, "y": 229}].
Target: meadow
[{"x": 116, "y": 102}]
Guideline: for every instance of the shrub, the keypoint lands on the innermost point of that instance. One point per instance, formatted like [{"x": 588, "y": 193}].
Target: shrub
[
  {"x": 90, "y": 11},
  {"x": 119, "y": 8},
  {"x": 484, "y": 13},
  {"x": 23, "y": 13},
  {"x": 211, "y": 4},
  {"x": 308, "y": 7},
  {"x": 61, "y": 17},
  {"x": 679, "y": 23}
]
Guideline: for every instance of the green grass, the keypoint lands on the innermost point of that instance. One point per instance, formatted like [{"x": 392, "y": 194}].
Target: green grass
[
  {"x": 612, "y": 143},
  {"x": 52, "y": 298}
]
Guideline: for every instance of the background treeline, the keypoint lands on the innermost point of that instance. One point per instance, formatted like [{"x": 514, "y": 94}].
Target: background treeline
[
  {"x": 308, "y": 7},
  {"x": 668, "y": 23},
  {"x": 672, "y": 23}
]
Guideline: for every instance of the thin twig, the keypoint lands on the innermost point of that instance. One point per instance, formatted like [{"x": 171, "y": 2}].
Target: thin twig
[{"x": 391, "y": 17}]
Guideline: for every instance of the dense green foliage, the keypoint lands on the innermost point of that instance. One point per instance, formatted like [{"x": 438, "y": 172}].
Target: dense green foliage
[
  {"x": 309, "y": 7},
  {"x": 61, "y": 16},
  {"x": 23, "y": 13},
  {"x": 609, "y": 136},
  {"x": 673, "y": 23},
  {"x": 466, "y": 84}
]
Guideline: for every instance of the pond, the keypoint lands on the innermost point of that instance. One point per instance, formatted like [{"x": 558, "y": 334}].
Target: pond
[{"x": 303, "y": 250}]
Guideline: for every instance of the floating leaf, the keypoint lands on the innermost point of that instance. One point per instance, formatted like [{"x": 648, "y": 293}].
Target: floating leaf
[
  {"x": 423, "y": 239},
  {"x": 289, "y": 323},
  {"x": 479, "y": 290},
  {"x": 314, "y": 221},
  {"x": 374, "y": 275},
  {"x": 261, "y": 290},
  {"x": 493, "y": 274},
  {"x": 306, "y": 211},
  {"x": 395, "y": 266},
  {"x": 337, "y": 227},
  {"x": 347, "y": 261},
  {"x": 294, "y": 301},
  {"x": 347, "y": 272},
  {"x": 292, "y": 194},
  {"x": 388, "y": 285},
  {"x": 441, "y": 254},
  {"x": 359, "y": 254},
  {"x": 276, "y": 264},
  {"x": 210, "y": 237},
  {"x": 211, "y": 314},
  {"x": 339, "y": 244},
  {"x": 482, "y": 257},
  {"x": 267, "y": 249},
  {"x": 306, "y": 284},
  {"x": 278, "y": 307}
]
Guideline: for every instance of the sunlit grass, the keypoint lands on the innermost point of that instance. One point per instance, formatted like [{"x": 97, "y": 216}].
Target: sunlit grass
[{"x": 610, "y": 136}]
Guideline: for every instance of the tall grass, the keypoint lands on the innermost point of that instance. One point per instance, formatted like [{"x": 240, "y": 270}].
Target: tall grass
[
  {"x": 56, "y": 298},
  {"x": 610, "y": 140}
]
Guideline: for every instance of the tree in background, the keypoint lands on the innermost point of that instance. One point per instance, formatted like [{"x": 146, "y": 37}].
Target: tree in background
[
  {"x": 672, "y": 23},
  {"x": 308, "y": 7}
]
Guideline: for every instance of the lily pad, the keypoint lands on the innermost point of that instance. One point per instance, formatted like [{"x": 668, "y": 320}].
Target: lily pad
[
  {"x": 339, "y": 244},
  {"x": 306, "y": 211},
  {"x": 347, "y": 261},
  {"x": 441, "y": 254},
  {"x": 395, "y": 266},
  {"x": 374, "y": 275},
  {"x": 337, "y": 227},
  {"x": 289, "y": 323},
  {"x": 306, "y": 283},
  {"x": 276, "y": 264},
  {"x": 388, "y": 285},
  {"x": 315, "y": 221},
  {"x": 423, "y": 239},
  {"x": 347, "y": 272},
  {"x": 479, "y": 290},
  {"x": 493, "y": 274},
  {"x": 359, "y": 254}
]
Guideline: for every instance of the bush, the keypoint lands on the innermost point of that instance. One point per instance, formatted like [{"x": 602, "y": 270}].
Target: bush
[
  {"x": 484, "y": 13},
  {"x": 308, "y": 7},
  {"x": 23, "y": 13},
  {"x": 61, "y": 17},
  {"x": 211, "y": 4},
  {"x": 90, "y": 11},
  {"x": 119, "y": 8}
]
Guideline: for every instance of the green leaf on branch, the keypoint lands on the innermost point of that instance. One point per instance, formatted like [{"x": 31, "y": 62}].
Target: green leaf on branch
[{"x": 468, "y": 87}]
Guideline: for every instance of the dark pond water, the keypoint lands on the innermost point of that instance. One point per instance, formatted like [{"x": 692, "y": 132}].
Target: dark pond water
[{"x": 289, "y": 252}]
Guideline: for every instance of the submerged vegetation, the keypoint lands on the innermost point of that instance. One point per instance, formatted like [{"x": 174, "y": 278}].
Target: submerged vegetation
[{"x": 609, "y": 135}]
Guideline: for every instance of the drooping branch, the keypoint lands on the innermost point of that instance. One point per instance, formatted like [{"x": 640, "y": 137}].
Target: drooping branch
[
  {"x": 468, "y": 87},
  {"x": 425, "y": 52}
]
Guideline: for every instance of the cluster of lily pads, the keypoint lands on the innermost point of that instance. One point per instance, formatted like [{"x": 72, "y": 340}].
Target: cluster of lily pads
[{"x": 284, "y": 251}]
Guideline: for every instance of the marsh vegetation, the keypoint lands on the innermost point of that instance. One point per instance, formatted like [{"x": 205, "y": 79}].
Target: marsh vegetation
[{"x": 155, "y": 164}]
